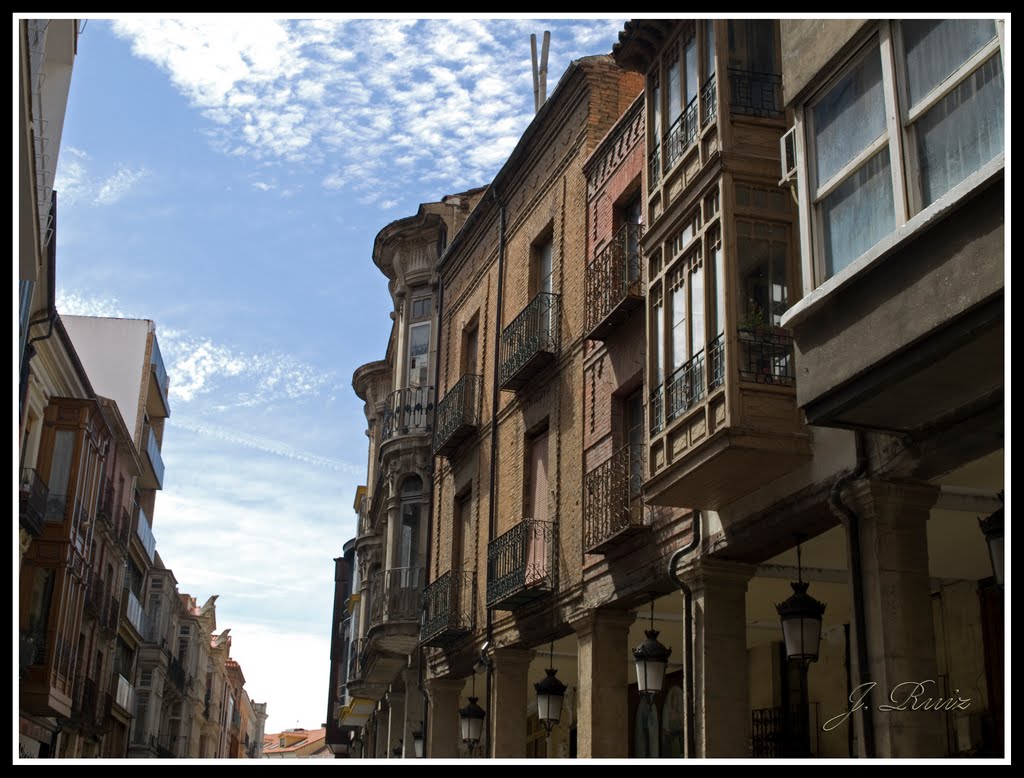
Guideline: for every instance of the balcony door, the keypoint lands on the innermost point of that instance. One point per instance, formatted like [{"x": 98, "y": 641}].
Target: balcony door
[
  {"x": 543, "y": 283},
  {"x": 632, "y": 218},
  {"x": 634, "y": 438},
  {"x": 470, "y": 349},
  {"x": 538, "y": 539},
  {"x": 463, "y": 558}
]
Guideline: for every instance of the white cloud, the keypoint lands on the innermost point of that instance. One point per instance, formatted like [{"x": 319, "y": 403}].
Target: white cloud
[
  {"x": 278, "y": 448},
  {"x": 74, "y": 182},
  {"x": 333, "y": 181},
  {"x": 74, "y": 304},
  {"x": 200, "y": 366},
  {"x": 118, "y": 185},
  {"x": 263, "y": 187},
  {"x": 71, "y": 175},
  {"x": 349, "y": 92}
]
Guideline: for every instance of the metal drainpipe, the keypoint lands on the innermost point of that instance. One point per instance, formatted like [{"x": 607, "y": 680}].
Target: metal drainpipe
[
  {"x": 695, "y": 531},
  {"x": 492, "y": 491},
  {"x": 430, "y": 510},
  {"x": 852, "y": 523}
]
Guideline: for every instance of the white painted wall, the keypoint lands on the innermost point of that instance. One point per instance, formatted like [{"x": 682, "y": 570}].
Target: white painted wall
[{"x": 113, "y": 353}]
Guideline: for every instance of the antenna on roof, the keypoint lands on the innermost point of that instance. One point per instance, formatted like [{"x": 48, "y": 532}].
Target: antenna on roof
[{"x": 540, "y": 75}]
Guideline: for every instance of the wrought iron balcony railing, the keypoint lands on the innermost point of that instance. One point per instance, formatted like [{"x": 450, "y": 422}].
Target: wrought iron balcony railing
[
  {"x": 96, "y": 598},
  {"x": 708, "y": 101},
  {"x": 614, "y": 282},
  {"x": 103, "y": 707},
  {"x": 780, "y": 732},
  {"x": 716, "y": 362},
  {"x": 766, "y": 356},
  {"x": 408, "y": 411},
  {"x": 83, "y": 700},
  {"x": 56, "y": 508},
  {"x": 395, "y": 595},
  {"x": 530, "y": 342},
  {"x": 612, "y": 510},
  {"x": 31, "y": 647},
  {"x": 123, "y": 530},
  {"x": 364, "y": 516},
  {"x": 32, "y": 499},
  {"x": 355, "y": 666},
  {"x": 755, "y": 94},
  {"x": 105, "y": 508},
  {"x": 654, "y": 167},
  {"x": 449, "y": 604},
  {"x": 682, "y": 134},
  {"x": 458, "y": 415},
  {"x": 686, "y": 386},
  {"x": 521, "y": 564},
  {"x": 176, "y": 673},
  {"x": 658, "y": 410},
  {"x": 111, "y": 614}
]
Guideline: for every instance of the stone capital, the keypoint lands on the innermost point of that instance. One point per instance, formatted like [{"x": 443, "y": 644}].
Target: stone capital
[
  {"x": 511, "y": 657},
  {"x": 585, "y": 622},
  {"x": 904, "y": 494},
  {"x": 438, "y": 687},
  {"x": 703, "y": 570}
]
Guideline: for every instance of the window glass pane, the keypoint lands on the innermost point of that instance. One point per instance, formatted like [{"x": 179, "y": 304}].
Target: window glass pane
[
  {"x": 717, "y": 259},
  {"x": 849, "y": 117},
  {"x": 690, "y": 56},
  {"x": 858, "y": 214},
  {"x": 752, "y": 45},
  {"x": 408, "y": 544},
  {"x": 656, "y": 124},
  {"x": 962, "y": 132},
  {"x": 935, "y": 48},
  {"x": 675, "y": 104},
  {"x": 697, "y": 309},
  {"x": 658, "y": 334},
  {"x": 679, "y": 350},
  {"x": 764, "y": 289},
  {"x": 709, "y": 49},
  {"x": 544, "y": 267},
  {"x": 419, "y": 344}
]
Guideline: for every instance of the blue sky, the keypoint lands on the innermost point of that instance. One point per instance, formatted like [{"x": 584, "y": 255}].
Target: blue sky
[{"x": 225, "y": 177}]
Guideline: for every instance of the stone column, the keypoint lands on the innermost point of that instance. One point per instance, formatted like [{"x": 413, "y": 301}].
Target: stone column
[
  {"x": 507, "y": 712},
  {"x": 413, "y": 718},
  {"x": 721, "y": 690},
  {"x": 442, "y": 733},
  {"x": 380, "y": 732},
  {"x": 602, "y": 729},
  {"x": 396, "y": 722},
  {"x": 893, "y": 520}
]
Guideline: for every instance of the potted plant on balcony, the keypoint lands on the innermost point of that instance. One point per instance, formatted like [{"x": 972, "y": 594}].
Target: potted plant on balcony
[{"x": 753, "y": 322}]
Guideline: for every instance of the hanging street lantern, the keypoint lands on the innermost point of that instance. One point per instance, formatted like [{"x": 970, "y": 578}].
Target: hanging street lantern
[
  {"x": 472, "y": 720},
  {"x": 801, "y": 617},
  {"x": 550, "y": 694},
  {"x": 651, "y": 659}
]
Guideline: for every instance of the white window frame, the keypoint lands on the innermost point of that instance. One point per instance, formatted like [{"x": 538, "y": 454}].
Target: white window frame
[{"x": 886, "y": 39}]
